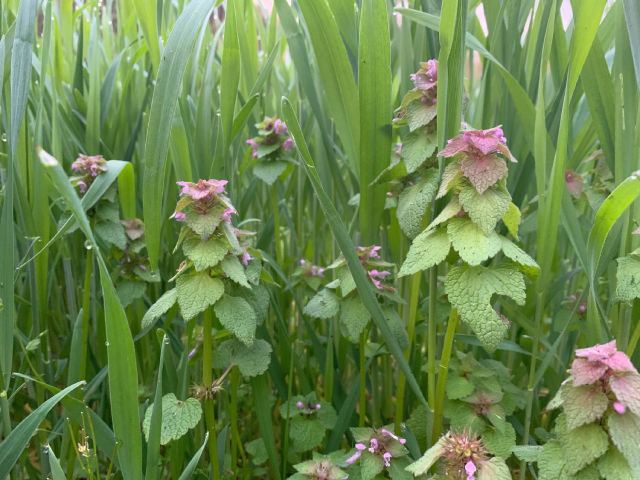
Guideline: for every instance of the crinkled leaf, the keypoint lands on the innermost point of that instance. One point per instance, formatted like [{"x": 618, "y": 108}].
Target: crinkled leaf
[
  {"x": 354, "y": 317},
  {"x": 269, "y": 171},
  {"x": 129, "y": 291},
  {"x": 583, "y": 445},
  {"x": 430, "y": 457},
  {"x": 306, "y": 433},
  {"x": 500, "y": 444},
  {"x": 551, "y": 462},
  {"x": 625, "y": 433},
  {"x": 205, "y": 253},
  {"x": 459, "y": 387},
  {"x": 628, "y": 279},
  {"x": 451, "y": 210},
  {"x": 494, "y": 469},
  {"x": 324, "y": 304},
  {"x": 511, "y": 219},
  {"x": 196, "y": 292},
  {"x": 347, "y": 284},
  {"x": 419, "y": 114},
  {"x": 427, "y": 250},
  {"x": 483, "y": 172},
  {"x": 522, "y": 258},
  {"x": 584, "y": 404},
  {"x": 370, "y": 466},
  {"x": 233, "y": 269},
  {"x": 414, "y": 201},
  {"x": 470, "y": 290},
  {"x": 112, "y": 233},
  {"x": 397, "y": 327},
  {"x": 417, "y": 147},
  {"x": 178, "y": 417},
  {"x": 205, "y": 224},
  {"x": 527, "y": 453},
  {"x": 627, "y": 390},
  {"x": 252, "y": 361},
  {"x": 485, "y": 209},
  {"x": 162, "y": 305},
  {"x": 237, "y": 316},
  {"x": 257, "y": 450},
  {"x": 450, "y": 176},
  {"x": 471, "y": 243},
  {"x": 613, "y": 466}
]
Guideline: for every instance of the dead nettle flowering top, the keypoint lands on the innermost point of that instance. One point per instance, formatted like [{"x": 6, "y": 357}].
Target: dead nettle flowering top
[
  {"x": 480, "y": 157},
  {"x": 426, "y": 81},
  {"x": 600, "y": 419},
  {"x": 87, "y": 168},
  {"x": 270, "y": 148},
  {"x": 377, "y": 448},
  {"x": 462, "y": 456},
  {"x": 320, "y": 467}
]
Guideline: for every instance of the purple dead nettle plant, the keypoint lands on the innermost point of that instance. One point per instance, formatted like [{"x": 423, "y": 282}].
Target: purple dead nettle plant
[
  {"x": 375, "y": 450},
  {"x": 339, "y": 298},
  {"x": 309, "y": 420},
  {"x": 220, "y": 275},
  {"x": 308, "y": 274},
  {"x": 597, "y": 432},
  {"x": 270, "y": 148},
  {"x": 86, "y": 168}
]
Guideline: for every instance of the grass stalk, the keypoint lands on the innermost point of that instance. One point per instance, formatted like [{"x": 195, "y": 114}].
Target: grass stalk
[{"x": 207, "y": 381}]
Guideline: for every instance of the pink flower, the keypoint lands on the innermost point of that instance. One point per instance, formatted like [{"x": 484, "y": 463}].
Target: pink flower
[
  {"x": 179, "y": 216},
  {"x": 619, "y": 407},
  {"x": 226, "y": 215},
  {"x": 246, "y": 258},
  {"x": 574, "y": 182},
  {"x": 82, "y": 186},
  {"x": 470, "y": 469},
  {"x": 254, "y": 147},
  {"x": 376, "y": 276},
  {"x": 386, "y": 458},
  {"x": 426, "y": 80},
  {"x": 367, "y": 253},
  {"x": 287, "y": 144},
  {"x": 299, "y": 405},
  {"x": 360, "y": 447},
  {"x": 91, "y": 165},
  {"x": 202, "y": 189},
  {"x": 279, "y": 127},
  {"x": 400, "y": 440}
]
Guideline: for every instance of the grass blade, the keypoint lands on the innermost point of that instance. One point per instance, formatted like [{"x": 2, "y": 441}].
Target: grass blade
[
  {"x": 54, "y": 465},
  {"x": 153, "y": 445},
  {"x": 230, "y": 77},
  {"x": 374, "y": 73},
  {"x": 193, "y": 463}
]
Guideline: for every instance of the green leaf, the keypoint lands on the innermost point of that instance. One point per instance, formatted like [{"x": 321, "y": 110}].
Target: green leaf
[
  {"x": 527, "y": 453},
  {"x": 54, "y": 465},
  {"x": 193, "y": 463},
  {"x": 494, "y": 469},
  {"x": 354, "y": 317},
  {"x": 130, "y": 291},
  {"x": 628, "y": 279},
  {"x": 522, "y": 258},
  {"x": 511, "y": 219},
  {"x": 269, "y": 171},
  {"x": 252, "y": 361},
  {"x": 16, "y": 442},
  {"x": 417, "y": 147},
  {"x": 584, "y": 445},
  {"x": 419, "y": 114},
  {"x": 230, "y": 75},
  {"x": 500, "y": 444},
  {"x": 551, "y": 462},
  {"x": 414, "y": 201},
  {"x": 111, "y": 233},
  {"x": 306, "y": 433},
  {"x": 485, "y": 209},
  {"x": 237, "y": 316},
  {"x": 205, "y": 224},
  {"x": 625, "y": 434},
  {"x": 370, "y": 465},
  {"x": 174, "y": 61},
  {"x": 430, "y": 457},
  {"x": 473, "y": 246},
  {"x": 583, "y": 404},
  {"x": 427, "y": 250},
  {"x": 204, "y": 253},
  {"x": 613, "y": 466},
  {"x": 324, "y": 304},
  {"x": 233, "y": 269},
  {"x": 459, "y": 387},
  {"x": 178, "y": 417},
  {"x": 162, "y": 306},
  {"x": 470, "y": 290},
  {"x": 196, "y": 292}
]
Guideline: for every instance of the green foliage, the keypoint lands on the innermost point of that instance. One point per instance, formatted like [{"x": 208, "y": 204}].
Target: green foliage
[
  {"x": 196, "y": 292},
  {"x": 178, "y": 417}
]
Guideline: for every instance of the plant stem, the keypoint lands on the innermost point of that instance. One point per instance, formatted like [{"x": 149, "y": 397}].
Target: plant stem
[
  {"x": 414, "y": 296},
  {"x": 276, "y": 224},
  {"x": 447, "y": 349},
  {"x": 362, "y": 405},
  {"x": 86, "y": 305},
  {"x": 207, "y": 380},
  {"x": 432, "y": 337}
]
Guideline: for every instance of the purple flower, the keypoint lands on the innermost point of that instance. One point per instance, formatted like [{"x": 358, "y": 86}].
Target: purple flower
[
  {"x": 426, "y": 80},
  {"x": 202, "y": 189},
  {"x": 179, "y": 216},
  {"x": 246, "y": 258},
  {"x": 279, "y": 127},
  {"x": 254, "y": 147},
  {"x": 470, "y": 469},
  {"x": 376, "y": 277},
  {"x": 226, "y": 215},
  {"x": 287, "y": 144},
  {"x": 619, "y": 407},
  {"x": 82, "y": 186},
  {"x": 360, "y": 447},
  {"x": 386, "y": 458},
  {"x": 299, "y": 405}
]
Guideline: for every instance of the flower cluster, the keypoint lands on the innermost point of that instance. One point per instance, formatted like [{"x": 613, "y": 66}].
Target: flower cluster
[
  {"x": 308, "y": 407},
  {"x": 383, "y": 444},
  {"x": 272, "y": 136},
  {"x": 426, "y": 81},
  {"x": 87, "y": 168},
  {"x": 320, "y": 467},
  {"x": 370, "y": 259},
  {"x": 201, "y": 197},
  {"x": 478, "y": 161},
  {"x": 311, "y": 270},
  {"x": 604, "y": 368}
]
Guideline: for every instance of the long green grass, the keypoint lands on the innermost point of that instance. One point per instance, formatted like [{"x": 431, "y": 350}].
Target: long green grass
[{"x": 171, "y": 90}]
